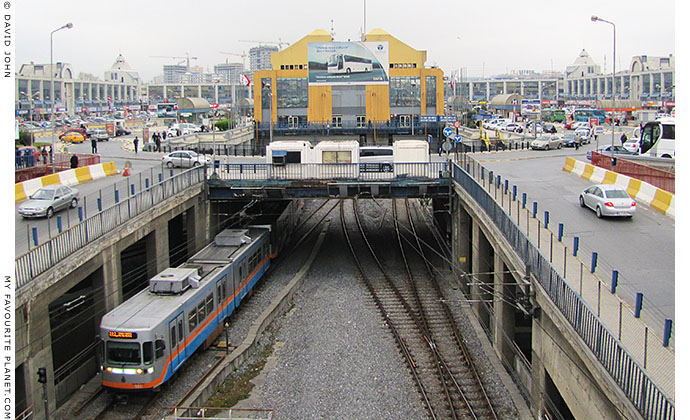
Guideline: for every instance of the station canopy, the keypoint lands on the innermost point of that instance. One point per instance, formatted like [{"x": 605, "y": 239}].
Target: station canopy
[
  {"x": 621, "y": 104},
  {"x": 505, "y": 101},
  {"x": 192, "y": 106}
]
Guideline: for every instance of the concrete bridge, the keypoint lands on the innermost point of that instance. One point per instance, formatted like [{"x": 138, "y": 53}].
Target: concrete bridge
[{"x": 566, "y": 356}]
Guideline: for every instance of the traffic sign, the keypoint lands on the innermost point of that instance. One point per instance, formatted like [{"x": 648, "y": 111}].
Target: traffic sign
[
  {"x": 446, "y": 146},
  {"x": 457, "y": 139},
  {"x": 447, "y": 131},
  {"x": 428, "y": 118},
  {"x": 456, "y": 124}
]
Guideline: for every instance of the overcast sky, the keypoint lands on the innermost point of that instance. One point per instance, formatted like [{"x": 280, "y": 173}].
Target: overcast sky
[{"x": 486, "y": 38}]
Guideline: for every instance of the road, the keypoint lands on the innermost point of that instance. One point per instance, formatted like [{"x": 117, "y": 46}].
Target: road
[{"x": 642, "y": 249}]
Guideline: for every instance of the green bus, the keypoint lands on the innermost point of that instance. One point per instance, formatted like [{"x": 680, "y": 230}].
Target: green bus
[{"x": 553, "y": 115}]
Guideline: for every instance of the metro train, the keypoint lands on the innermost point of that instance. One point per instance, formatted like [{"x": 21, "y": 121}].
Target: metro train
[{"x": 146, "y": 339}]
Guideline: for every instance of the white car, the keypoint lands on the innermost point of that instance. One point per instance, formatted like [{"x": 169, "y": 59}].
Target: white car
[
  {"x": 546, "y": 143},
  {"x": 584, "y": 135},
  {"x": 183, "y": 128},
  {"x": 185, "y": 159},
  {"x": 510, "y": 127},
  {"x": 632, "y": 145},
  {"x": 608, "y": 200}
]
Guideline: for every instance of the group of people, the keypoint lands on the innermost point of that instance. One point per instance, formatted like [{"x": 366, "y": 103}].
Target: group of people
[{"x": 156, "y": 137}]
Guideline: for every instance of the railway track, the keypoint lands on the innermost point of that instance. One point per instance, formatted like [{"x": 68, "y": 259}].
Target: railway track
[{"x": 404, "y": 289}]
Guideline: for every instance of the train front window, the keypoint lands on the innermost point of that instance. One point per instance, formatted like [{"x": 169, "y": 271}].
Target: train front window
[
  {"x": 123, "y": 353},
  {"x": 148, "y": 353}
]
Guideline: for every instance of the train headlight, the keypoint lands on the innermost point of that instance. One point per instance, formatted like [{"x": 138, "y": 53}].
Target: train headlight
[
  {"x": 109, "y": 369},
  {"x": 139, "y": 371}
]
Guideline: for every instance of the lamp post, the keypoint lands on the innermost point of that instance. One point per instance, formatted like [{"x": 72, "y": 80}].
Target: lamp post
[
  {"x": 52, "y": 92},
  {"x": 613, "y": 87}
]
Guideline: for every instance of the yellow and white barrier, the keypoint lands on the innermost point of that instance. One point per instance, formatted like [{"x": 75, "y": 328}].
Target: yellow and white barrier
[
  {"x": 23, "y": 190},
  {"x": 660, "y": 200}
]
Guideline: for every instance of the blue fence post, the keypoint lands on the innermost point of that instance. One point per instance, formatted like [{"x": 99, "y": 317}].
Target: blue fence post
[
  {"x": 514, "y": 192},
  {"x": 491, "y": 177},
  {"x": 524, "y": 199},
  {"x": 534, "y": 210},
  {"x": 638, "y": 304},
  {"x": 34, "y": 234},
  {"x": 614, "y": 281},
  {"x": 117, "y": 197},
  {"x": 546, "y": 219},
  {"x": 132, "y": 188},
  {"x": 482, "y": 173},
  {"x": 160, "y": 177},
  {"x": 560, "y": 232},
  {"x": 667, "y": 331},
  {"x": 80, "y": 211},
  {"x": 59, "y": 224},
  {"x": 498, "y": 181},
  {"x": 98, "y": 202},
  {"x": 146, "y": 182},
  {"x": 506, "y": 187},
  {"x": 576, "y": 245},
  {"x": 171, "y": 173},
  {"x": 594, "y": 261}
]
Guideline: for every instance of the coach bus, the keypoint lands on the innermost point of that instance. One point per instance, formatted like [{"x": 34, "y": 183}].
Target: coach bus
[
  {"x": 587, "y": 114},
  {"x": 343, "y": 63},
  {"x": 658, "y": 138},
  {"x": 553, "y": 115}
]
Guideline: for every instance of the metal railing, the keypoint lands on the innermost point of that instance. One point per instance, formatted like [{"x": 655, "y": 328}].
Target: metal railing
[
  {"x": 327, "y": 171},
  {"x": 632, "y": 379},
  {"x": 41, "y": 258}
]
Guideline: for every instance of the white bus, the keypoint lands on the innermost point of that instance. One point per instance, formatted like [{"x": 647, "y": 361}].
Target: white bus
[
  {"x": 343, "y": 63},
  {"x": 658, "y": 138}
]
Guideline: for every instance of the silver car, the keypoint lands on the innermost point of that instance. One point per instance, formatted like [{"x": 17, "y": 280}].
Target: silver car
[
  {"x": 547, "y": 142},
  {"x": 49, "y": 199},
  {"x": 185, "y": 159},
  {"x": 608, "y": 200}
]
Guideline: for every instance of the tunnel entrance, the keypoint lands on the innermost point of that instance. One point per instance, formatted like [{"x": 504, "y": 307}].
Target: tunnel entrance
[
  {"x": 177, "y": 240},
  {"x": 74, "y": 320},
  {"x": 136, "y": 263},
  {"x": 554, "y": 403}
]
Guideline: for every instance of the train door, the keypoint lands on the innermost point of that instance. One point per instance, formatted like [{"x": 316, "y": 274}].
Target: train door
[{"x": 176, "y": 341}]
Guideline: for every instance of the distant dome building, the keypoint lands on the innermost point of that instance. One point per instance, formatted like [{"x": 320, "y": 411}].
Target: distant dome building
[
  {"x": 122, "y": 72},
  {"x": 583, "y": 66}
]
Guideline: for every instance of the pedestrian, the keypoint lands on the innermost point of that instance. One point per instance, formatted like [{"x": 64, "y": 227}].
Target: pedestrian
[
  {"x": 577, "y": 143},
  {"x": 44, "y": 154},
  {"x": 164, "y": 135},
  {"x": 624, "y": 138},
  {"x": 74, "y": 162},
  {"x": 50, "y": 153},
  {"x": 158, "y": 143},
  {"x": 136, "y": 144},
  {"x": 94, "y": 146}
]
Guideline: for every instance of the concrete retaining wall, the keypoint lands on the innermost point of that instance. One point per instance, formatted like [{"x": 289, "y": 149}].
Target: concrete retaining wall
[
  {"x": 22, "y": 190},
  {"x": 660, "y": 200}
]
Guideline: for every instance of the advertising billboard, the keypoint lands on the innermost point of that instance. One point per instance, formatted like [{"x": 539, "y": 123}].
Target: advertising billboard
[
  {"x": 348, "y": 63},
  {"x": 530, "y": 106}
]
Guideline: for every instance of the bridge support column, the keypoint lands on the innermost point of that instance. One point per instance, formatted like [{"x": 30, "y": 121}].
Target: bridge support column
[
  {"x": 504, "y": 296},
  {"x": 481, "y": 279},
  {"x": 158, "y": 248},
  {"x": 462, "y": 242},
  {"x": 112, "y": 277}
]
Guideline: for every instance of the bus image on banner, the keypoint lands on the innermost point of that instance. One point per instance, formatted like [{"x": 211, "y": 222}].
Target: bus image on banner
[
  {"x": 166, "y": 110},
  {"x": 344, "y": 63},
  {"x": 348, "y": 63},
  {"x": 553, "y": 115},
  {"x": 587, "y": 114}
]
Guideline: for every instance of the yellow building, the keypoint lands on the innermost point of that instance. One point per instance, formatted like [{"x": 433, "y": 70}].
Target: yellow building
[{"x": 290, "y": 98}]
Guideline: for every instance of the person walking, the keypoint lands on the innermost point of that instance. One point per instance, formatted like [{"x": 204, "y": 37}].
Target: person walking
[
  {"x": 136, "y": 144},
  {"x": 94, "y": 145},
  {"x": 74, "y": 162},
  {"x": 165, "y": 135},
  {"x": 624, "y": 138},
  {"x": 44, "y": 154}
]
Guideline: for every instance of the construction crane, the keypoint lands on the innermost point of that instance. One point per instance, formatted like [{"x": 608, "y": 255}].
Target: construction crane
[
  {"x": 280, "y": 43},
  {"x": 243, "y": 55},
  {"x": 186, "y": 58}
]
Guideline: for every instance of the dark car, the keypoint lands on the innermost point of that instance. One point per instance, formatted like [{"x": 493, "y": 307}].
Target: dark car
[
  {"x": 121, "y": 131},
  {"x": 569, "y": 139},
  {"x": 550, "y": 128}
]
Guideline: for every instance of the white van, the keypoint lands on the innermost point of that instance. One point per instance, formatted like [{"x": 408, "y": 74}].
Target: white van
[{"x": 376, "y": 158}]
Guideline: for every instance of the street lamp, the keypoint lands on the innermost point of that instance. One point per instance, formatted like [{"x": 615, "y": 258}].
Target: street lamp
[
  {"x": 613, "y": 87},
  {"x": 52, "y": 91}
]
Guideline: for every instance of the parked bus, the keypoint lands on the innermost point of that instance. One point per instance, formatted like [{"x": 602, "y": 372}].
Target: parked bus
[
  {"x": 658, "y": 138},
  {"x": 553, "y": 115},
  {"x": 343, "y": 63},
  {"x": 586, "y": 114},
  {"x": 166, "y": 110}
]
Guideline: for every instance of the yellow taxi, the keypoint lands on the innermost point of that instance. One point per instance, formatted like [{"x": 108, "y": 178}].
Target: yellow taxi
[{"x": 72, "y": 137}]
